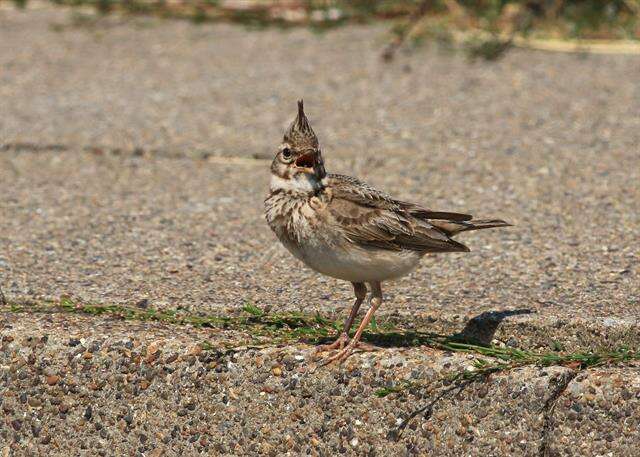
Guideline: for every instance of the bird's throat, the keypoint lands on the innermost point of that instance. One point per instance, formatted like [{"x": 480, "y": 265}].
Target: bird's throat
[{"x": 300, "y": 183}]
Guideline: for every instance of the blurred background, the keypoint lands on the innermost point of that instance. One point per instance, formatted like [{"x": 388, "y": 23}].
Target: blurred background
[{"x": 617, "y": 19}]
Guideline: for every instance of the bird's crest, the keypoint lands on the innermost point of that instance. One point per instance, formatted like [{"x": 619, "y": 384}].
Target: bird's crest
[{"x": 300, "y": 134}]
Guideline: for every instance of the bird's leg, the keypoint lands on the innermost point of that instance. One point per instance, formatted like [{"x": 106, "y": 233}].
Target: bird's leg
[
  {"x": 376, "y": 301},
  {"x": 360, "y": 290}
]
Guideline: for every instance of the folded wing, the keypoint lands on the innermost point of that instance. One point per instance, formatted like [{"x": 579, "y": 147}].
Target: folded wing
[{"x": 372, "y": 218}]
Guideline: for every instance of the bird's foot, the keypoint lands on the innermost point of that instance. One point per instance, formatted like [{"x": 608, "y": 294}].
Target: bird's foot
[
  {"x": 366, "y": 347},
  {"x": 339, "y": 343},
  {"x": 341, "y": 356},
  {"x": 346, "y": 351}
]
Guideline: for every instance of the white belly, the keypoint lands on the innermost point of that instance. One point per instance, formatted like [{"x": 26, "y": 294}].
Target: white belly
[{"x": 356, "y": 264}]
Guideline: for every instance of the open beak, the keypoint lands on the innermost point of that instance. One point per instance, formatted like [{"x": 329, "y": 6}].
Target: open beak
[
  {"x": 307, "y": 161},
  {"x": 311, "y": 163}
]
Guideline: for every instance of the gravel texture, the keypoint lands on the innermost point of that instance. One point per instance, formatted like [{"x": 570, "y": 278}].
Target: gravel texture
[
  {"x": 603, "y": 404},
  {"x": 134, "y": 160},
  {"x": 105, "y": 388}
]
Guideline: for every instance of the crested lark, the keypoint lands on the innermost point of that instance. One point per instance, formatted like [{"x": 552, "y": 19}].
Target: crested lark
[{"x": 341, "y": 227}]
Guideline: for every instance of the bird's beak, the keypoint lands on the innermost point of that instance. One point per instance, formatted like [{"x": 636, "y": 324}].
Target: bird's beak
[
  {"x": 311, "y": 163},
  {"x": 307, "y": 162}
]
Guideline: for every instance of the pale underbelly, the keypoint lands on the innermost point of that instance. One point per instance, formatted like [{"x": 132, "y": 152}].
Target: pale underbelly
[{"x": 358, "y": 265}]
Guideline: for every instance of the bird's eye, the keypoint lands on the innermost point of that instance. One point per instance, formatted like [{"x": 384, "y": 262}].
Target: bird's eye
[{"x": 286, "y": 153}]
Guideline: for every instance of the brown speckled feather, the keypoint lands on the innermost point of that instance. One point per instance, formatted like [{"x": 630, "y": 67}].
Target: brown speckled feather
[
  {"x": 372, "y": 218},
  {"x": 358, "y": 191}
]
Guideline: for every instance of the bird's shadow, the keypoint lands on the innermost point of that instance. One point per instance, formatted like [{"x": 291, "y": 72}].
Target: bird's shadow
[
  {"x": 479, "y": 330},
  {"x": 482, "y": 328}
]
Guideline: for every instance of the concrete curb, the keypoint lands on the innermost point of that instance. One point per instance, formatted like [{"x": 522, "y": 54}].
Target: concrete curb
[{"x": 99, "y": 386}]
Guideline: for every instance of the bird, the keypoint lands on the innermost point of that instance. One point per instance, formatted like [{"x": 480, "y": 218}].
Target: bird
[{"x": 343, "y": 228}]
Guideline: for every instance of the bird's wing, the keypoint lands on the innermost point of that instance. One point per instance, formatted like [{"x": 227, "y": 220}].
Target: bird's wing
[
  {"x": 371, "y": 218},
  {"x": 357, "y": 191}
]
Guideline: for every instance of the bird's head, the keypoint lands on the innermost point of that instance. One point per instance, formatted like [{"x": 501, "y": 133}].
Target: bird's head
[{"x": 298, "y": 163}]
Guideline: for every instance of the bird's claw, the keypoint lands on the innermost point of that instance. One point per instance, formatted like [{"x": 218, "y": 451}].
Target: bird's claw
[
  {"x": 339, "y": 343},
  {"x": 340, "y": 356},
  {"x": 346, "y": 351}
]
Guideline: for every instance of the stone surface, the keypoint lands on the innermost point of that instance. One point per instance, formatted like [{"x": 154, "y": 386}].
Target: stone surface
[
  {"x": 229, "y": 403},
  {"x": 236, "y": 402},
  {"x": 598, "y": 414}
]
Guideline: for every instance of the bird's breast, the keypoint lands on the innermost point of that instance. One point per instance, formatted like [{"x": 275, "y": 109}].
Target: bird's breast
[
  {"x": 310, "y": 234},
  {"x": 293, "y": 219}
]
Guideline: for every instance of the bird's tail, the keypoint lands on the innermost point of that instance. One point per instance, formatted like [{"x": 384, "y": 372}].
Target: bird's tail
[
  {"x": 452, "y": 228},
  {"x": 479, "y": 224}
]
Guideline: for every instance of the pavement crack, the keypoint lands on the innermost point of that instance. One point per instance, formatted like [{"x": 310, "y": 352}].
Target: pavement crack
[
  {"x": 550, "y": 406},
  {"x": 32, "y": 147},
  {"x": 457, "y": 387},
  {"x": 138, "y": 151}
]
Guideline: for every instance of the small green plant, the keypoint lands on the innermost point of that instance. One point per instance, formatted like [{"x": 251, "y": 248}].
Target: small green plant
[
  {"x": 373, "y": 324},
  {"x": 556, "y": 346},
  {"x": 506, "y": 359},
  {"x": 252, "y": 309},
  {"x": 290, "y": 327},
  {"x": 400, "y": 387}
]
